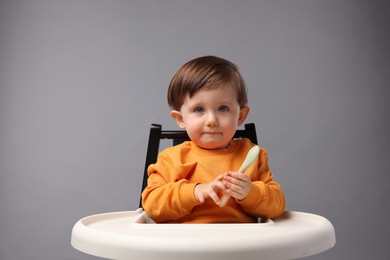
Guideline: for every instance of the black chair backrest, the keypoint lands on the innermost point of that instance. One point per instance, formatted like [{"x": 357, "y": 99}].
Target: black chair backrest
[{"x": 179, "y": 136}]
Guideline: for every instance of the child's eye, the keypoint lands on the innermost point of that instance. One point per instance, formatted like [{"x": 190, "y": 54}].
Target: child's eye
[
  {"x": 199, "y": 110},
  {"x": 223, "y": 109}
]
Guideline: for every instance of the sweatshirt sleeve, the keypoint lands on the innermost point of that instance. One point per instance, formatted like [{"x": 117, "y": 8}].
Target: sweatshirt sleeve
[
  {"x": 266, "y": 198},
  {"x": 169, "y": 195}
]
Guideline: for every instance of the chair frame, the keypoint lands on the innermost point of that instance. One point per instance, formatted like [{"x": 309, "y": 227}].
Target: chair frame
[{"x": 179, "y": 136}]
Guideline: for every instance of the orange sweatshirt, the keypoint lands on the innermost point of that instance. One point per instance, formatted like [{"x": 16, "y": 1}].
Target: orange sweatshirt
[{"x": 169, "y": 196}]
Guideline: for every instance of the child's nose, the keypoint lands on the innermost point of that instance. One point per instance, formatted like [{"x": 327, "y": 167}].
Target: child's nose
[{"x": 211, "y": 119}]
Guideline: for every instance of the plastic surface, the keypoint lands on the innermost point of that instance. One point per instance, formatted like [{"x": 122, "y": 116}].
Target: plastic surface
[{"x": 127, "y": 235}]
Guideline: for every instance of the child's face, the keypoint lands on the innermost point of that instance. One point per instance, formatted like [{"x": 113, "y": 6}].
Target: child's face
[{"x": 211, "y": 116}]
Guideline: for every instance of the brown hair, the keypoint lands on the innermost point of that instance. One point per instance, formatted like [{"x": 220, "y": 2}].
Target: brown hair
[{"x": 206, "y": 71}]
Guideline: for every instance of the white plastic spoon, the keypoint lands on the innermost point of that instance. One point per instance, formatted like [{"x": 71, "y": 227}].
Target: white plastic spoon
[{"x": 251, "y": 156}]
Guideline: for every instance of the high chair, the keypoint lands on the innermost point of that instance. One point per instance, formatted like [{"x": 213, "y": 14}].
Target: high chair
[{"x": 132, "y": 234}]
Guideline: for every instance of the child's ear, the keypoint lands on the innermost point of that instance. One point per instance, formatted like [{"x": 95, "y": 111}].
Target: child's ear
[
  {"x": 244, "y": 112},
  {"x": 177, "y": 116}
]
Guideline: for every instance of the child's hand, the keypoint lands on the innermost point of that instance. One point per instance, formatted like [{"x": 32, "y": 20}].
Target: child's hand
[
  {"x": 210, "y": 190},
  {"x": 237, "y": 184}
]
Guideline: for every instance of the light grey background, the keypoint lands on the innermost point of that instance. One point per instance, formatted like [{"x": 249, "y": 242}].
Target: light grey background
[{"x": 81, "y": 81}]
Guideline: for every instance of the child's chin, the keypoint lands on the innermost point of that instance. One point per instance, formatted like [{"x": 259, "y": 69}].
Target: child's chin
[{"x": 213, "y": 146}]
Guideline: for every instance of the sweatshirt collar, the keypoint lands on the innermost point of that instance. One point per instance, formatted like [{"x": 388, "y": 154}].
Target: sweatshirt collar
[{"x": 213, "y": 152}]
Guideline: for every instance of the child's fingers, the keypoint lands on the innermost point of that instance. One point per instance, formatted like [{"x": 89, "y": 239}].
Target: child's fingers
[
  {"x": 233, "y": 183},
  {"x": 209, "y": 190},
  {"x": 201, "y": 198},
  {"x": 199, "y": 194},
  {"x": 215, "y": 198},
  {"x": 234, "y": 190},
  {"x": 218, "y": 185},
  {"x": 237, "y": 184},
  {"x": 238, "y": 175},
  {"x": 221, "y": 177}
]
